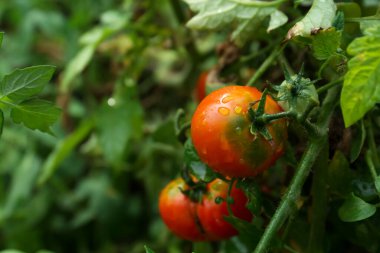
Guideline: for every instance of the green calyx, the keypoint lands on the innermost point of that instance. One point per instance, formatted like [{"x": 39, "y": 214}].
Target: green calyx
[
  {"x": 297, "y": 93},
  {"x": 195, "y": 190},
  {"x": 258, "y": 125}
]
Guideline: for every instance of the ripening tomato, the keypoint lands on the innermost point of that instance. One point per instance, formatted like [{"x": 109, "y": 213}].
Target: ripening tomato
[
  {"x": 203, "y": 221},
  {"x": 220, "y": 131},
  {"x": 211, "y": 214},
  {"x": 179, "y": 213}
]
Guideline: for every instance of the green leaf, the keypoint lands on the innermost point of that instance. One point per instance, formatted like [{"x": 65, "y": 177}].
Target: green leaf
[
  {"x": 22, "y": 184},
  {"x": 242, "y": 16},
  {"x": 198, "y": 168},
  {"x": 320, "y": 15},
  {"x": 36, "y": 114},
  {"x": 25, "y": 83},
  {"x": 249, "y": 233},
  {"x": 364, "y": 188},
  {"x": 253, "y": 194},
  {"x": 361, "y": 89},
  {"x": 1, "y": 38},
  {"x": 148, "y": 250},
  {"x": 63, "y": 149},
  {"x": 76, "y": 66},
  {"x": 377, "y": 184},
  {"x": 355, "y": 209},
  {"x": 357, "y": 142},
  {"x": 1, "y": 122},
  {"x": 339, "y": 21},
  {"x": 339, "y": 175},
  {"x": 325, "y": 43},
  {"x": 277, "y": 19},
  {"x": 202, "y": 247},
  {"x": 117, "y": 124}
]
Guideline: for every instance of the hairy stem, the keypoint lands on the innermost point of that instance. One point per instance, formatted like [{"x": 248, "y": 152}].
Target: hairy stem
[
  {"x": 329, "y": 85},
  {"x": 310, "y": 155}
]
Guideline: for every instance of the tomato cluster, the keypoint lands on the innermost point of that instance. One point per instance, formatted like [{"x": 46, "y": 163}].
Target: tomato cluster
[
  {"x": 204, "y": 220},
  {"x": 220, "y": 130}
]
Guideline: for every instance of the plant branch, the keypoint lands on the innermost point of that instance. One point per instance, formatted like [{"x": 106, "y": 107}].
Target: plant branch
[
  {"x": 265, "y": 65},
  {"x": 329, "y": 85},
  {"x": 314, "y": 147},
  {"x": 374, "y": 17}
]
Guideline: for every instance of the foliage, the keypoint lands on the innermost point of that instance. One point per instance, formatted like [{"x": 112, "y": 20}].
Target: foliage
[{"x": 90, "y": 132}]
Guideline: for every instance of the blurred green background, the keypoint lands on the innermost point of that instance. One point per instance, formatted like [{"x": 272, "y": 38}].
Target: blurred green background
[{"x": 123, "y": 69}]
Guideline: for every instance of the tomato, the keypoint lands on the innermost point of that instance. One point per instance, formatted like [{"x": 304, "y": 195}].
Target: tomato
[
  {"x": 220, "y": 131},
  {"x": 179, "y": 212},
  {"x": 203, "y": 221},
  {"x": 211, "y": 214},
  {"x": 200, "y": 90}
]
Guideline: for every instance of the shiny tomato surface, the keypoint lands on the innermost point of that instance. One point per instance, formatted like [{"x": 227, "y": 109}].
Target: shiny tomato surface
[
  {"x": 220, "y": 131},
  {"x": 179, "y": 213},
  {"x": 211, "y": 214},
  {"x": 203, "y": 221}
]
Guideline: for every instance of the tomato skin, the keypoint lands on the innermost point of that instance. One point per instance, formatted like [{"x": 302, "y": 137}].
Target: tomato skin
[
  {"x": 202, "y": 221},
  {"x": 212, "y": 214},
  {"x": 179, "y": 212},
  {"x": 220, "y": 131},
  {"x": 200, "y": 90}
]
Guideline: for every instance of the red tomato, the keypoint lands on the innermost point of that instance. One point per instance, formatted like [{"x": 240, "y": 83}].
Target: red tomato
[
  {"x": 200, "y": 91},
  {"x": 211, "y": 214},
  {"x": 202, "y": 221},
  {"x": 179, "y": 212},
  {"x": 220, "y": 130}
]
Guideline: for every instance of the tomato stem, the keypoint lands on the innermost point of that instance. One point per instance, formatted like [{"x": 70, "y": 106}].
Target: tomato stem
[
  {"x": 310, "y": 155},
  {"x": 327, "y": 86},
  {"x": 180, "y": 129}
]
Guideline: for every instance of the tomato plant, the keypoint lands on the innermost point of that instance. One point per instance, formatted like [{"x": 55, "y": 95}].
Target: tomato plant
[
  {"x": 202, "y": 220},
  {"x": 126, "y": 70},
  {"x": 221, "y": 132}
]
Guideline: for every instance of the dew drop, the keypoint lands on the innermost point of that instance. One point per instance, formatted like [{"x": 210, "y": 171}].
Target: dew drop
[
  {"x": 238, "y": 109},
  {"x": 224, "y": 111},
  {"x": 227, "y": 99}
]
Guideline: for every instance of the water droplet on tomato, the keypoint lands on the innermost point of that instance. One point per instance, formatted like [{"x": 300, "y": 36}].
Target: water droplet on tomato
[
  {"x": 238, "y": 109},
  {"x": 238, "y": 130},
  {"x": 227, "y": 99},
  {"x": 224, "y": 111},
  {"x": 204, "y": 151}
]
